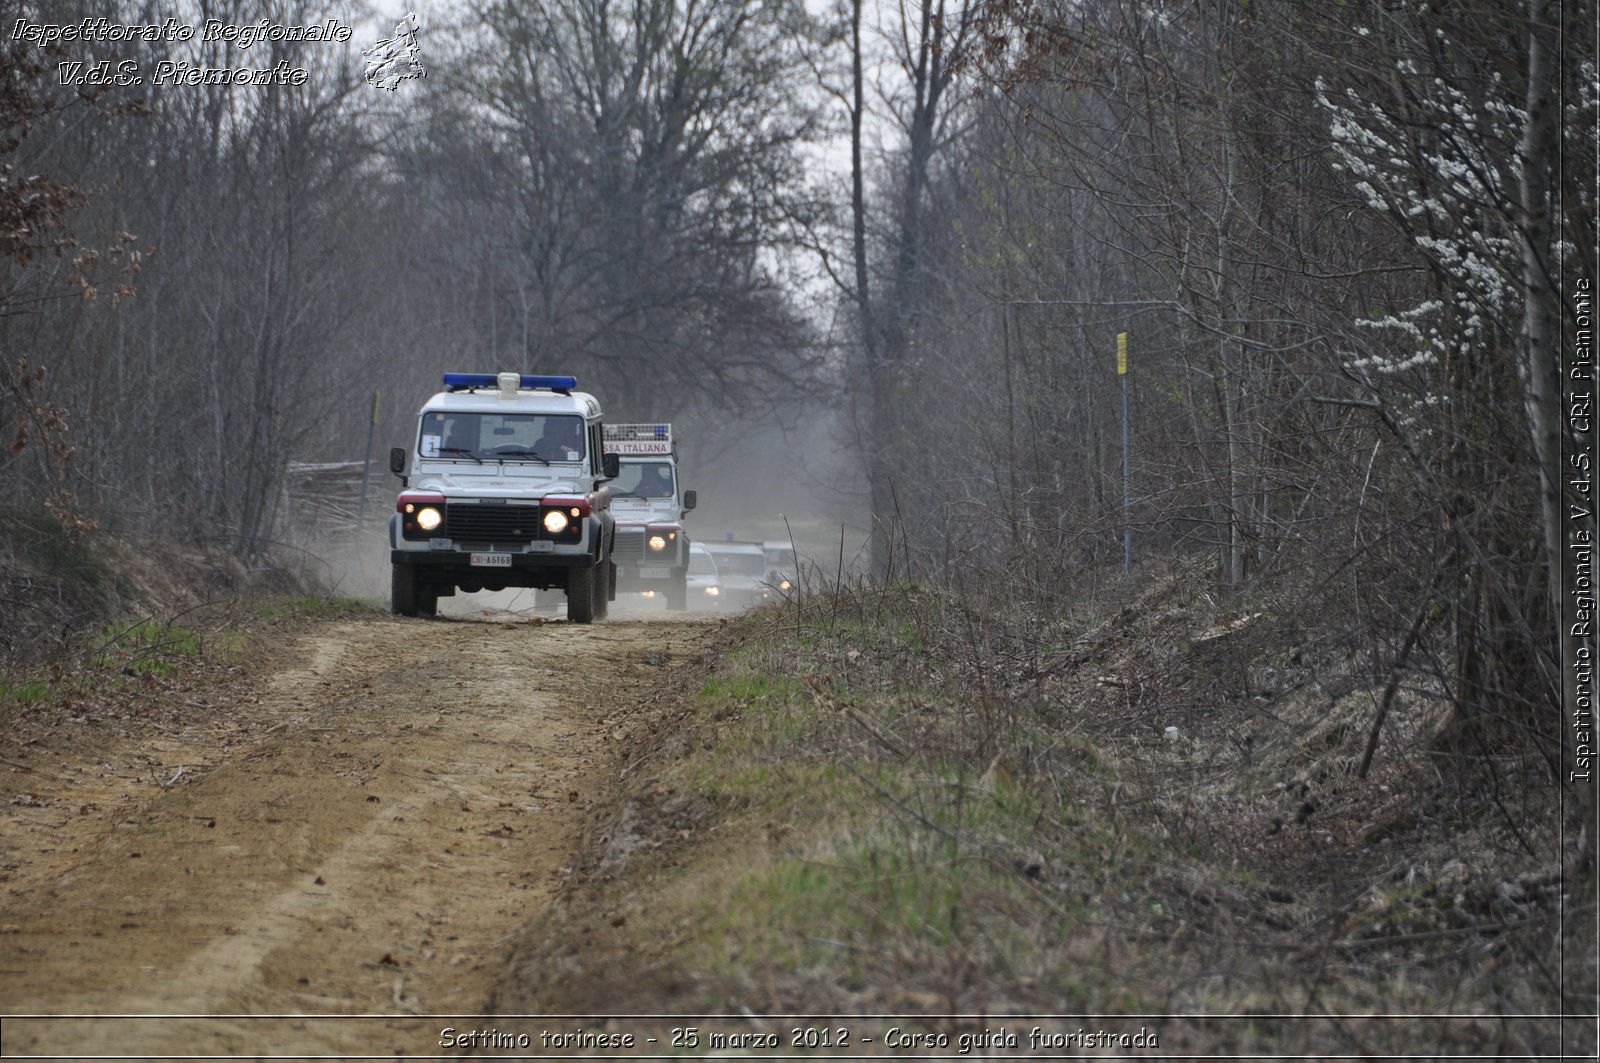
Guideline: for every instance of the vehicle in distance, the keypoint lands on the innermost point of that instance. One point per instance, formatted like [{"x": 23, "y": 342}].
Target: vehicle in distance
[
  {"x": 783, "y": 568},
  {"x": 741, "y": 573},
  {"x": 704, "y": 590},
  {"x": 651, "y": 549}
]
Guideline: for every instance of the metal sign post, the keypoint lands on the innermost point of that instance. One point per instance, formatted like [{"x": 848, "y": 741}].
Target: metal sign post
[{"x": 1127, "y": 448}]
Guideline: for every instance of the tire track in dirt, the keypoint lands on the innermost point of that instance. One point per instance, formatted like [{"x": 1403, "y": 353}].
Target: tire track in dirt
[{"x": 380, "y": 822}]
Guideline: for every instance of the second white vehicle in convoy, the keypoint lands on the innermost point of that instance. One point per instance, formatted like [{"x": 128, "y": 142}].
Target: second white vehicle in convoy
[{"x": 652, "y": 548}]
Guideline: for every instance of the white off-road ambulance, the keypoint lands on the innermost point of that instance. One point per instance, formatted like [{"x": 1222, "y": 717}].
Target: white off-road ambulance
[
  {"x": 508, "y": 488},
  {"x": 652, "y": 548}
]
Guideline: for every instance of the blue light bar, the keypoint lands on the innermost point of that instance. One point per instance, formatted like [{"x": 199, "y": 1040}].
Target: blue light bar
[
  {"x": 661, "y": 431},
  {"x": 463, "y": 381},
  {"x": 554, "y": 383}
]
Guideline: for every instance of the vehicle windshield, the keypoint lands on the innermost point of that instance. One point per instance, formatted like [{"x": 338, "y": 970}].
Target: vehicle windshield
[
  {"x": 480, "y": 437},
  {"x": 739, "y": 563},
  {"x": 780, "y": 557},
  {"x": 700, "y": 564},
  {"x": 647, "y": 479}
]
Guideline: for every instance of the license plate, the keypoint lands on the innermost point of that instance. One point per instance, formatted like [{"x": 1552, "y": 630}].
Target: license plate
[
  {"x": 654, "y": 572},
  {"x": 492, "y": 560}
]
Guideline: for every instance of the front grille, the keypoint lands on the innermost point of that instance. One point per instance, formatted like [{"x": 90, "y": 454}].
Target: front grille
[
  {"x": 629, "y": 546},
  {"x": 491, "y": 524}
]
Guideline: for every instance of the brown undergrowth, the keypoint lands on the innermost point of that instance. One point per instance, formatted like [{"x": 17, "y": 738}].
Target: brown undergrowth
[
  {"x": 104, "y": 629},
  {"x": 1140, "y": 815}
]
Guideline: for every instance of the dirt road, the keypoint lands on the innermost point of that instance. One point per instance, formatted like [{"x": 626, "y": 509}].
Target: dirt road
[{"x": 360, "y": 834}]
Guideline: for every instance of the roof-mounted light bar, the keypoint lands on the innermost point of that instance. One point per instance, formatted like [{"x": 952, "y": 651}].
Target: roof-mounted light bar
[
  {"x": 639, "y": 439},
  {"x": 639, "y": 432},
  {"x": 563, "y": 385}
]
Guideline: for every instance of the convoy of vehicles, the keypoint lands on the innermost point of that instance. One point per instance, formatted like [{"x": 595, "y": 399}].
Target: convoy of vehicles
[
  {"x": 516, "y": 481},
  {"x": 651, "y": 549},
  {"x": 506, "y": 489}
]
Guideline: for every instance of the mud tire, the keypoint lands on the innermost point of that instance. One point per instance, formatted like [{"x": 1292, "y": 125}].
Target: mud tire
[
  {"x": 581, "y": 594},
  {"x": 404, "y": 590},
  {"x": 604, "y": 578}
]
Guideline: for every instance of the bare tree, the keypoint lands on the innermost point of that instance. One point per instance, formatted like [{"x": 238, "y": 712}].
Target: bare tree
[
  {"x": 635, "y": 173},
  {"x": 926, "y": 46},
  {"x": 1335, "y": 244}
]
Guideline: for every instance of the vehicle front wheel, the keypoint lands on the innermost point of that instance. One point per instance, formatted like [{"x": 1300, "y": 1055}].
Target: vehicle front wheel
[
  {"x": 602, "y": 589},
  {"x": 403, "y": 590},
  {"x": 581, "y": 594}
]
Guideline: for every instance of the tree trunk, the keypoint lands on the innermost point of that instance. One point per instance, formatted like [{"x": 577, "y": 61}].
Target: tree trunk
[{"x": 1540, "y": 363}]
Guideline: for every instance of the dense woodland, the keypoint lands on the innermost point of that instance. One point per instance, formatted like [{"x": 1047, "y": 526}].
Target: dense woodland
[{"x": 1343, "y": 239}]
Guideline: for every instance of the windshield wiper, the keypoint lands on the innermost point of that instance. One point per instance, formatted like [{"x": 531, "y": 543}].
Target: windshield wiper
[
  {"x": 504, "y": 454},
  {"x": 461, "y": 450},
  {"x": 630, "y": 494}
]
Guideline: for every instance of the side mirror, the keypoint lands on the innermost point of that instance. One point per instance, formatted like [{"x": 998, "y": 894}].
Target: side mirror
[
  {"x": 397, "y": 460},
  {"x": 611, "y": 465},
  {"x": 688, "y": 501}
]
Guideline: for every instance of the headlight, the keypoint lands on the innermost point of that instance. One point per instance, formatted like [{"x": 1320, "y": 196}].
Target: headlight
[
  {"x": 555, "y": 522},
  {"x": 657, "y": 543},
  {"x": 785, "y": 585},
  {"x": 429, "y": 518},
  {"x": 713, "y": 591}
]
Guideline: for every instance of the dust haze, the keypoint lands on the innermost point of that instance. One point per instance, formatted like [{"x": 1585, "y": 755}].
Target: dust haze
[
  {"x": 754, "y": 482},
  {"x": 765, "y": 481}
]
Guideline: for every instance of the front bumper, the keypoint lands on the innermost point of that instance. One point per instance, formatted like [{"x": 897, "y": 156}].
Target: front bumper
[
  {"x": 437, "y": 560},
  {"x": 741, "y": 596},
  {"x": 637, "y": 562},
  {"x": 527, "y": 552}
]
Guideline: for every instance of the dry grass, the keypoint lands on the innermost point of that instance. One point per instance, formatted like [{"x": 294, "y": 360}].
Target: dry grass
[
  {"x": 898, "y": 801},
  {"x": 101, "y": 627}
]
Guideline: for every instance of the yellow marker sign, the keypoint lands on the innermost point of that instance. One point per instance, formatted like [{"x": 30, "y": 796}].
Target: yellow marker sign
[{"x": 1122, "y": 354}]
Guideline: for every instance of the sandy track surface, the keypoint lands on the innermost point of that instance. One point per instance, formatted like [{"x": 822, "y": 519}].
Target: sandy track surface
[{"x": 360, "y": 836}]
